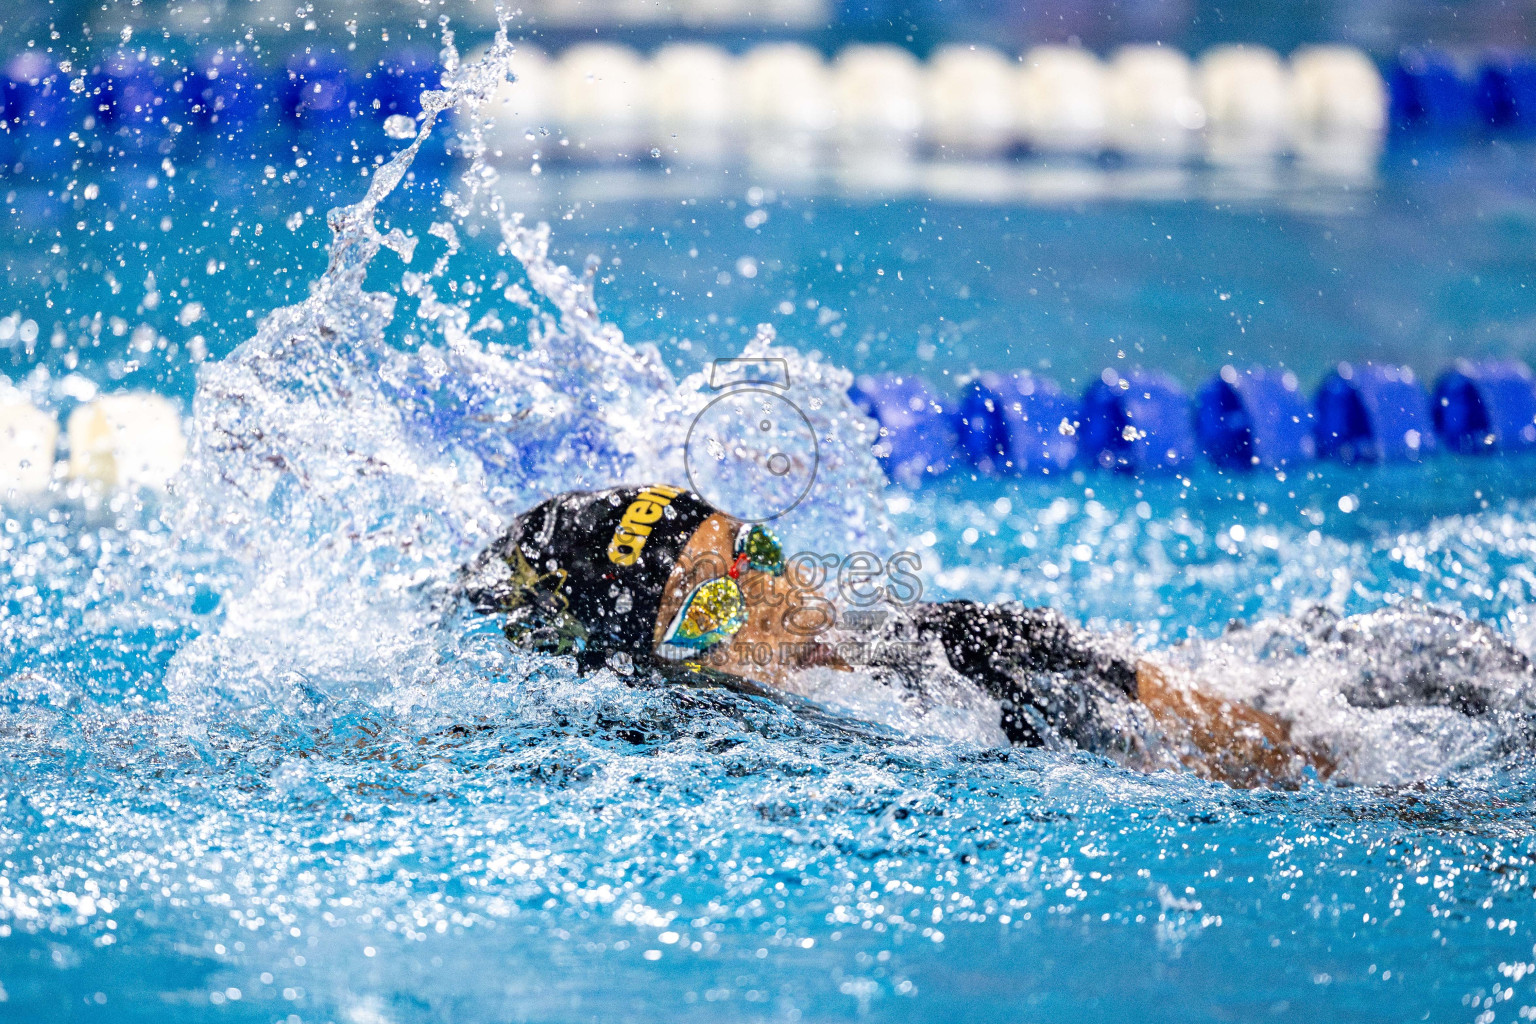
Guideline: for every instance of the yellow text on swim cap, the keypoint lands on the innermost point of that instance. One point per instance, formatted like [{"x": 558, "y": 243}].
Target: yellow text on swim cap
[{"x": 635, "y": 527}]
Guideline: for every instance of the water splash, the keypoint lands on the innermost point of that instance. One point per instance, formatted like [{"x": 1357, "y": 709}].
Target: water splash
[
  {"x": 338, "y": 478},
  {"x": 250, "y": 743},
  {"x": 350, "y": 477},
  {"x": 1405, "y": 692}
]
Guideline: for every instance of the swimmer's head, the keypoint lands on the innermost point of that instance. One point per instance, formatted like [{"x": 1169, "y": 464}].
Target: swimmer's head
[{"x": 588, "y": 573}]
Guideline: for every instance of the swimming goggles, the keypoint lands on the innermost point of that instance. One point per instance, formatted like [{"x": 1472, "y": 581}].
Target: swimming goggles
[
  {"x": 757, "y": 548},
  {"x": 716, "y": 610}
]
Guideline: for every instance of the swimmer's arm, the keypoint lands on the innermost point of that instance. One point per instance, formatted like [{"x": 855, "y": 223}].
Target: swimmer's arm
[
  {"x": 1223, "y": 739},
  {"x": 818, "y": 655}
]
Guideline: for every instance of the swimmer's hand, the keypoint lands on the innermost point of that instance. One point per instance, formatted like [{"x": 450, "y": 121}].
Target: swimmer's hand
[{"x": 1225, "y": 740}]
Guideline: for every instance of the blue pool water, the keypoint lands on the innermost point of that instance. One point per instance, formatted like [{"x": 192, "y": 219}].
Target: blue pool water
[{"x": 262, "y": 767}]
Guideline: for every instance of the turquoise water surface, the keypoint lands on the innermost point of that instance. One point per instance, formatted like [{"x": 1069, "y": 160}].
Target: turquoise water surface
[{"x": 261, "y": 764}]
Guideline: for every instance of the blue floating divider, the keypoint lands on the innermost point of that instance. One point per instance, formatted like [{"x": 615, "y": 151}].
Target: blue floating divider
[
  {"x": 1373, "y": 413},
  {"x": 1486, "y": 406},
  {"x": 38, "y": 108},
  {"x": 395, "y": 86},
  {"x": 397, "y": 82},
  {"x": 1136, "y": 423},
  {"x": 318, "y": 92},
  {"x": 129, "y": 92},
  {"x": 1506, "y": 91},
  {"x": 1429, "y": 91},
  {"x": 1253, "y": 417},
  {"x": 917, "y": 436},
  {"x": 1017, "y": 423},
  {"x": 1144, "y": 422},
  {"x": 226, "y": 90}
]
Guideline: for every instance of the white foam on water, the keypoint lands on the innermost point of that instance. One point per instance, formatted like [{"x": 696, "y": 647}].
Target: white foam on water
[
  {"x": 349, "y": 477},
  {"x": 364, "y": 790},
  {"x": 338, "y": 479},
  {"x": 1412, "y": 686}
]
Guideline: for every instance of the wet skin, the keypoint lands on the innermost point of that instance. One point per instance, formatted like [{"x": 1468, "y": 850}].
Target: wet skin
[
  {"x": 787, "y": 620},
  {"x": 1213, "y": 737}
]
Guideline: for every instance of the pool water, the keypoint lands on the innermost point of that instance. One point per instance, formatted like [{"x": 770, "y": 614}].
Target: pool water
[{"x": 263, "y": 765}]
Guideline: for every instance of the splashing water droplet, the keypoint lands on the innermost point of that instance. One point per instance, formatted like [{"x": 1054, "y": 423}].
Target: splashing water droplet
[
  {"x": 398, "y": 126},
  {"x": 327, "y": 461}
]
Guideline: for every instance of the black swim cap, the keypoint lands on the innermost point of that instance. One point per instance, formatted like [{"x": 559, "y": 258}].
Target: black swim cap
[{"x": 584, "y": 573}]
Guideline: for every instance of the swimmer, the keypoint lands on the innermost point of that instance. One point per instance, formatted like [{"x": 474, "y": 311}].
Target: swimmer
[{"x": 655, "y": 578}]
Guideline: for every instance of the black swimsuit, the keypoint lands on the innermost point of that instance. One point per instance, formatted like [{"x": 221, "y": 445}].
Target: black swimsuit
[{"x": 1054, "y": 680}]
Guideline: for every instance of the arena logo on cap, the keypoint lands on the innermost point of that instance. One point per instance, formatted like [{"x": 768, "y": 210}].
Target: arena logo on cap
[{"x": 635, "y": 527}]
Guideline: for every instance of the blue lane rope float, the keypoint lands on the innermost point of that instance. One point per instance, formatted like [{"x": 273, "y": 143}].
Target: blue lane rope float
[
  {"x": 1506, "y": 91},
  {"x": 135, "y": 91},
  {"x": 1429, "y": 91},
  {"x": 1253, "y": 417},
  {"x": 1017, "y": 423},
  {"x": 1136, "y": 422},
  {"x": 395, "y": 84},
  {"x": 127, "y": 93},
  {"x": 1143, "y": 423},
  {"x": 393, "y": 87},
  {"x": 1372, "y": 413},
  {"x": 38, "y": 110},
  {"x": 1485, "y": 407},
  {"x": 1240, "y": 420},
  {"x": 918, "y": 432},
  {"x": 226, "y": 91},
  {"x": 137, "y": 98},
  {"x": 318, "y": 93}
]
